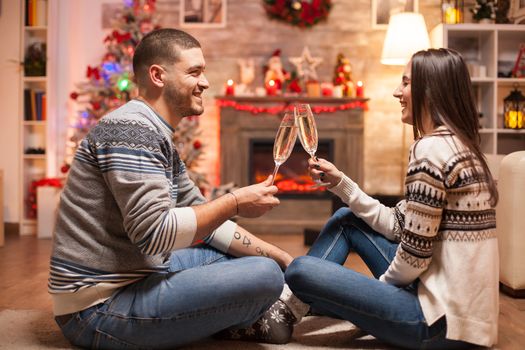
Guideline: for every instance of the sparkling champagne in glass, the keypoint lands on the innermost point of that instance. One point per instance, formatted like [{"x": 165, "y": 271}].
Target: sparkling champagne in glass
[
  {"x": 284, "y": 142},
  {"x": 307, "y": 129},
  {"x": 305, "y": 121}
]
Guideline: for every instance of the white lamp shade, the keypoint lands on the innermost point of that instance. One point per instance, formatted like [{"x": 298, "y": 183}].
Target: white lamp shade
[{"x": 406, "y": 34}]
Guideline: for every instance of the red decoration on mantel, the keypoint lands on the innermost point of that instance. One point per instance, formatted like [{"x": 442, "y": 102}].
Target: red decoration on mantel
[{"x": 274, "y": 110}]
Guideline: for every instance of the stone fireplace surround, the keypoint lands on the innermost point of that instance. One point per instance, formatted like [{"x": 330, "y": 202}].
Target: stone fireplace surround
[{"x": 237, "y": 127}]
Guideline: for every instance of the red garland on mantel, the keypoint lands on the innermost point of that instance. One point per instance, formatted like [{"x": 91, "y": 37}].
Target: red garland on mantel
[{"x": 274, "y": 110}]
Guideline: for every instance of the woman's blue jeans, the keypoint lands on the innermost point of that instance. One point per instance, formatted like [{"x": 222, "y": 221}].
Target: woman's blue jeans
[
  {"x": 387, "y": 312},
  {"x": 203, "y": 293}
]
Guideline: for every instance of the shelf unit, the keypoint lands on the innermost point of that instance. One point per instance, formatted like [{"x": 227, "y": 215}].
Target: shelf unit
[
  {"x": 34, "y": 106},
  {"x": 488, "y": 49}
]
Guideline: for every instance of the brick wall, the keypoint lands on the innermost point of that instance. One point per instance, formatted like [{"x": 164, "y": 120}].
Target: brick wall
[{"x": 250, "y": 34}]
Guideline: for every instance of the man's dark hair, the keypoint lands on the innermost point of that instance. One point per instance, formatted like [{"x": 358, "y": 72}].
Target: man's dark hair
[{"x": 160, "y": 46}]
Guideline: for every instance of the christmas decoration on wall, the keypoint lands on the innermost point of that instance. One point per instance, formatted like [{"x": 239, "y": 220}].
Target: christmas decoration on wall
[
  {"x": 109, "y": 84},
  {"x": 301, "y": 13}
]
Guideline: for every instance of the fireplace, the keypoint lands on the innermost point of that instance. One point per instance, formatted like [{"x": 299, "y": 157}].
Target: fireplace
[
  {"x": 292, "y": 180},
  {"x": 246, "y": 144}
]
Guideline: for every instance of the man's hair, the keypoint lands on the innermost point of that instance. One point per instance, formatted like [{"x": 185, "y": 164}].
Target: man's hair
[{"x": 161, "y": 46}]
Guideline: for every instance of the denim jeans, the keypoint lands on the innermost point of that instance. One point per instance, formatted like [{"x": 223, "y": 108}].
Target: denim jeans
[
  {"x": 389, "y": 313},
  {"x": 205, "y": 291}
]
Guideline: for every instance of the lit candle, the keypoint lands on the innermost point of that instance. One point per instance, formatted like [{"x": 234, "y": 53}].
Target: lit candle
[
  {"x": 514, "y": 120},
  {"x": 271, "y": 88},
  {"x": 360, "y": 89},
  {"x": 230, "y": 88}
]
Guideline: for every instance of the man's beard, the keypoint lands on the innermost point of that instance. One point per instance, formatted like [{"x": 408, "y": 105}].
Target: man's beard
[{"x": 182, "y": 105}]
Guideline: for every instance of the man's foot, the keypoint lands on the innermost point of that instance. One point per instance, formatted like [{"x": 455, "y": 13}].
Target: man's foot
[{"x": 275, "y": 327}]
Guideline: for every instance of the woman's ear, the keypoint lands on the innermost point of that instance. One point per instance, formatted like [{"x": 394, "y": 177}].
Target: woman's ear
[{"x": 156, "y": 75}]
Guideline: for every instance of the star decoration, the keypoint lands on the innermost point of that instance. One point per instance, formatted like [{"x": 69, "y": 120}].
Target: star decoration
[{"x": 306, "y": 65}]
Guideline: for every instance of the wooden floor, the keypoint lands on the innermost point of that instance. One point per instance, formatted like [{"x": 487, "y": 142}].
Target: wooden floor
[{"x": 24, "y": 264}]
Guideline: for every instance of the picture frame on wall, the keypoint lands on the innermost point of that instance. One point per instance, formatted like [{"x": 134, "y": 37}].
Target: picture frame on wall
[
  {"x": 203, "y": 13},
  {"x": 382, "y": 9},
  {"x": 517, "y": 11}
]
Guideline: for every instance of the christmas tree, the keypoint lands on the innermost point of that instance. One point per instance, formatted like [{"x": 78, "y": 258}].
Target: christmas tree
[
  {"x": 343, "y": 75},
  {"x": 109, "y": 85}
]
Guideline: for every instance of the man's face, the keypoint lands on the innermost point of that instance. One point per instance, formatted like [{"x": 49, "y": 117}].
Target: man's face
[{"x": 185, "y": 83}]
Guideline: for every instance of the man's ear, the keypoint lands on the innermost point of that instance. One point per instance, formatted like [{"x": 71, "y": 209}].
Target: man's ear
[{"x": 156, "y": 75}]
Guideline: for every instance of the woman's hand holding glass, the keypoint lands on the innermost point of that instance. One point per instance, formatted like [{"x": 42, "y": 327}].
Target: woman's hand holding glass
[{"x": 322, "y": 170}]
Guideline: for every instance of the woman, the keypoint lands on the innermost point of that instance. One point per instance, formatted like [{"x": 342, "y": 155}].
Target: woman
[{"x": 434, "y": 256}]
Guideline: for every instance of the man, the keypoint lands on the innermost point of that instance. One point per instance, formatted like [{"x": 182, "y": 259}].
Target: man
[{"x": 120, "y": 277}]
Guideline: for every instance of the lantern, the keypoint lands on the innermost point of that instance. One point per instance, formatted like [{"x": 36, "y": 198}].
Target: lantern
[
  {"x": 452, "y": 11},
  {"x": 514, "y": 110}
]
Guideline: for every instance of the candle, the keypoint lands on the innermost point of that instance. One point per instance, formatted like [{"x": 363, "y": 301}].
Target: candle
[
  {"x": 338, "y": 91},
  {"x": 230, "y": 88},
  {"x": 271, "y": 88},
  {"x": 360, "y": 89},
  {"x": 327, "y": 89},
  {"x": 514, "y": 120}
]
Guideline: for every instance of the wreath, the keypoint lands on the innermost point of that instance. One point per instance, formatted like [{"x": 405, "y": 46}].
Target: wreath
[{"x": 301, "y": 13}]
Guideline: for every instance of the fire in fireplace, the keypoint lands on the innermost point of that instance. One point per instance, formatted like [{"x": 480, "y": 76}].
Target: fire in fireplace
[{"x": 293, "y": 178}]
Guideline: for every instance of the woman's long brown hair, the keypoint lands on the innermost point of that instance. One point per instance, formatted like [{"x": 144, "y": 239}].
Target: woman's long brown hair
[{"x": 441, "y": 87}]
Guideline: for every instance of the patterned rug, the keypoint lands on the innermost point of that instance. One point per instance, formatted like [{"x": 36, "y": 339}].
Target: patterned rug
[{"x": 36, "y": 329}]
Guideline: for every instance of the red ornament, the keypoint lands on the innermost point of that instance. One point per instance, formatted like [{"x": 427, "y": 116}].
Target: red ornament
[
  {"x": 64, "y": 168},
  {"x": 96, "y": 105},
  {"x": 294, "y": 86},
  {"x": 73, "y": 95},
  {"x": 197, "y": 144},
  {"x": 92, "y": 73}
]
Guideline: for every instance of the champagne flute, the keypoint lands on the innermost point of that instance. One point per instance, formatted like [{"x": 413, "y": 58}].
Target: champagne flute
[
  {"x": 305, "y": 121},
  {"x": 284, "y": 141}
]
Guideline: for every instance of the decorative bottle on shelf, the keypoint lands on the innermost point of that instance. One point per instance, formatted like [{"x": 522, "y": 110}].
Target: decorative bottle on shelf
[{"x": 452, "y": 11}]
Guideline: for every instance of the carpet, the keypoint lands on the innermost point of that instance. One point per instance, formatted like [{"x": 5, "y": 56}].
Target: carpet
[{"x": 36, "y": 329}]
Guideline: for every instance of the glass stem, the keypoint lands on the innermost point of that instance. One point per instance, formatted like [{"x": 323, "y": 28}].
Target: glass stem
[{"x": 275, "y": 172}]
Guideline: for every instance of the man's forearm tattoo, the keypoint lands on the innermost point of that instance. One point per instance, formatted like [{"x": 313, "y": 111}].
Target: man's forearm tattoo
[
  {"x": 245, "y": 240},
  {"x": 261, "y": 252}
]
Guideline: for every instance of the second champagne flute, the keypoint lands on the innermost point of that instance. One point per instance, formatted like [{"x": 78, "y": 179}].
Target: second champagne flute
[
  {"x": 284, "y": 141},
  {"x": 305, "y": 121},
  {"x": 307, "y": 129}
]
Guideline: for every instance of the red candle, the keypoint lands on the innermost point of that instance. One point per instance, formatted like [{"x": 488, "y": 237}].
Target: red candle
[
  {"x": 230, "y": 88},
  {"x": 271, "y": 88},
  {"x": 360, "y": 89},
  {"x": 327, "y": 89}
]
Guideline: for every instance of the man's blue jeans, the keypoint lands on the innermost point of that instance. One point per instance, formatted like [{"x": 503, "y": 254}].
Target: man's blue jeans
[
  {"x": 387, "y": 312},
  {"x": 203, "y": 293}
]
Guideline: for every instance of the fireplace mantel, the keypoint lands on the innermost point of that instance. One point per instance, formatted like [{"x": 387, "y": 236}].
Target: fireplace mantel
[{"x": 239, "y": 125}]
